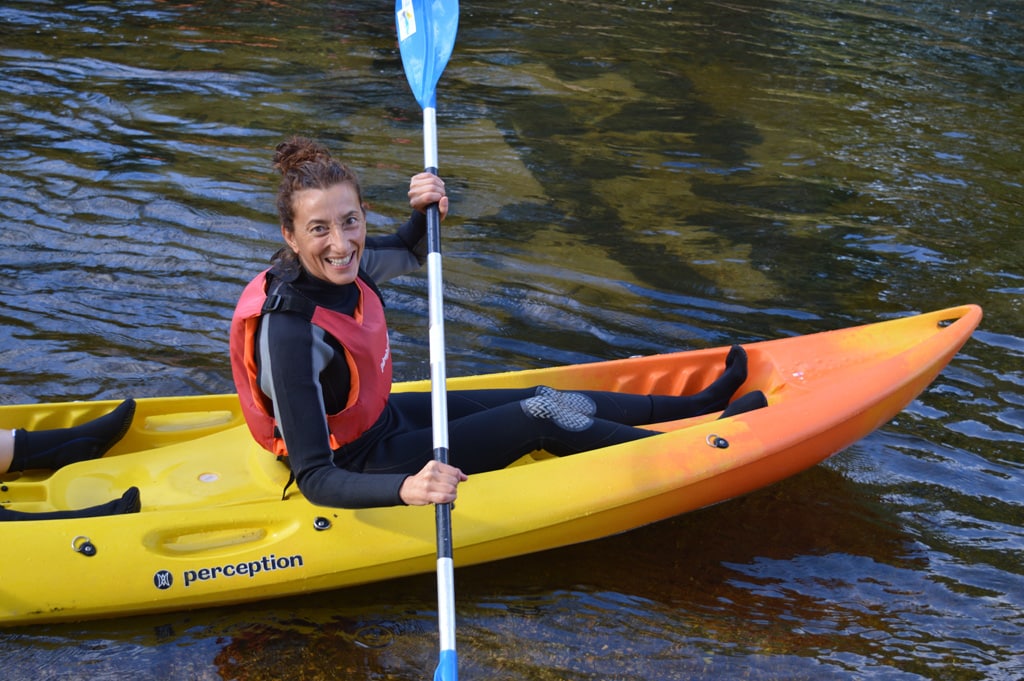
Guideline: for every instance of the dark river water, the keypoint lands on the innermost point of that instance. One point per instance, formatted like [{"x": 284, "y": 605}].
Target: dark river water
[{"x": 627, "y": 177}]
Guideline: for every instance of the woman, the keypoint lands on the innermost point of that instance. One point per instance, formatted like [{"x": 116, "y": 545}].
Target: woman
[
  {"x": 312, "y": 363},
  {"x": 22, "y": 450}
]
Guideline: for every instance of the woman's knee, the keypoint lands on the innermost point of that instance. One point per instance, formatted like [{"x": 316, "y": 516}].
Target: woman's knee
[{"x": 549, "y": 408}]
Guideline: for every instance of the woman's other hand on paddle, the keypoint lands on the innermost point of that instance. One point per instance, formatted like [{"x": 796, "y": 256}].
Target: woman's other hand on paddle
[
  {"x": 436, "y": 483},
  {"x": 426, "y": 189}
]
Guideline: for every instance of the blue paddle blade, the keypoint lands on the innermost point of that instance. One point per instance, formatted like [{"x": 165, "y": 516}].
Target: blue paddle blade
[
  {"x": 447, "y": 667},
  {"x": 426, "y": 38}
]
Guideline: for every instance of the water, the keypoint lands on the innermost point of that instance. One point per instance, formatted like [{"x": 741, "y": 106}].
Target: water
[{"x": 627, "y": 177}]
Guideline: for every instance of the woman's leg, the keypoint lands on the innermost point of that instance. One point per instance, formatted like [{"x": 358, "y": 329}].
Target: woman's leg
[
  {"x": 489, "y": 429},
  {"x": 493, "y": 437},
  {"x": 624, "y": 408}
]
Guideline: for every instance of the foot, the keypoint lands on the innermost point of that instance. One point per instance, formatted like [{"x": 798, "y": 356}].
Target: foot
[
  {"x": 109, "y": 429},
  {"x": 749, "y": 402},
  {"x": 716, "y": 396},
  {"x": 711, "y": 399},
  {"x": 130, "y": 502},
  {"x": 53, "y": 449}
]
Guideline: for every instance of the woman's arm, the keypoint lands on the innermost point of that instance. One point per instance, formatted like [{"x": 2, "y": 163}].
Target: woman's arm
[
  {"x": 293, "y": 354},
  {"x": 387, "y": 257}
]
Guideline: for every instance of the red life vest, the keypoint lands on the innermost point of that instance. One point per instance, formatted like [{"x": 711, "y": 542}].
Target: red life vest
[{"x": 364, "y": 337}]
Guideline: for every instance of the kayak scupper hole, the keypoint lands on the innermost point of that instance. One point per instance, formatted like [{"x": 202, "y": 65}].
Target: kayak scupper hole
[{"x": 208, "y": 477}]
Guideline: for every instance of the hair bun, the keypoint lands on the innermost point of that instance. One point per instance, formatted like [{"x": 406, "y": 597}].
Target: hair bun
[{"x": 298, "y": 151}]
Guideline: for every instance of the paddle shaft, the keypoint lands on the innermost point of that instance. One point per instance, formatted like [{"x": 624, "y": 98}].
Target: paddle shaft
[{"x": 447, "y": 669}]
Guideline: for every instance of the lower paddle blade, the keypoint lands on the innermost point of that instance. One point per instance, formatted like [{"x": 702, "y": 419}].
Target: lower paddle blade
[{"x": 447, "y": 667}]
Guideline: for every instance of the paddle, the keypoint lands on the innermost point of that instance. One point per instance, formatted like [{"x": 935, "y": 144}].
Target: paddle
[{"x": 426, "y": 37}]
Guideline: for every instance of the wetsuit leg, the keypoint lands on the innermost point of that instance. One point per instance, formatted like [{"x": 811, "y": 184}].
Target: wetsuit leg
[
  {"x": 489, "y": 429},
  {"x": 493, "y": 437},
  {"x": 624, "y": 408},
  {"x": 497, "y": 437}
]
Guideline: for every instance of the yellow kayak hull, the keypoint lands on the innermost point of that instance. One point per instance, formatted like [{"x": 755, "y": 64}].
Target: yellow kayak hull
[{"x": 214, "y": 529}]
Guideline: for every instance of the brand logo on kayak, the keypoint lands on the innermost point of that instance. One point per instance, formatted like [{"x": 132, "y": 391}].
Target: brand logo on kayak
[{"x": 164, "y": 579}]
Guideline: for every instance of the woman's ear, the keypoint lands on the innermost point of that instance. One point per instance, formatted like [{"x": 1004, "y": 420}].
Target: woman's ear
[{"x": 289, "y": 238}]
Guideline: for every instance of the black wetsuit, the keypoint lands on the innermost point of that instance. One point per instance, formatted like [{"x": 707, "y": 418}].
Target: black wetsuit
[{"x": 488, "y": 429}]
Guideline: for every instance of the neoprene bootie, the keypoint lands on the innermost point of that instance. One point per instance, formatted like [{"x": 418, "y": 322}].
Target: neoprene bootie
[
  {"x": 130, "y": 502},
  {"x": 53, "y": 449},
  {"x": 713, "y": 398},
  {"x": 749, "y": 402}
]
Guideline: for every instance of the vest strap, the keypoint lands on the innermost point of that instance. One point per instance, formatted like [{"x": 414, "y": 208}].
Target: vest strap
[{"x": 277, "y": 302}]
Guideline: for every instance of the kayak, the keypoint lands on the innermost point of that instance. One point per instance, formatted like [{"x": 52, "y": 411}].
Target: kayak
[{"x": 215, "y": 530}]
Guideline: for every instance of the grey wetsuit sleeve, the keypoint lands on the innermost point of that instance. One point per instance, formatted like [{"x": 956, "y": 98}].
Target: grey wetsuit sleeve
[{"x": 390, "y": 256}]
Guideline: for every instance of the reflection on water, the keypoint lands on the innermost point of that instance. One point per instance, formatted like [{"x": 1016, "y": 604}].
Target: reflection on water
[{"x": 626, "y": 179}]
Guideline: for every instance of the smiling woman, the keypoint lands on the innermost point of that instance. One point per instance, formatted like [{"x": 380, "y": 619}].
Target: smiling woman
[
  {"x": 326, "y": 278},
  {"x": 331, "y": 234},
  {"x": 312, "y": 363}
]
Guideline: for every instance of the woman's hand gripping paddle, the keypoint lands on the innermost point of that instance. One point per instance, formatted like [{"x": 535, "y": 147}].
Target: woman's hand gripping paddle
[{"x": 426, "y": 37}]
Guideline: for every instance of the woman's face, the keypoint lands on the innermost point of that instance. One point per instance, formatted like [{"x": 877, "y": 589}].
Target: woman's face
[{"x": 330, "y": 232}]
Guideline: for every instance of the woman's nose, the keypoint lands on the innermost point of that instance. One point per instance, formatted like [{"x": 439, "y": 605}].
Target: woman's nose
[{"x": 339, "y": 238}]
